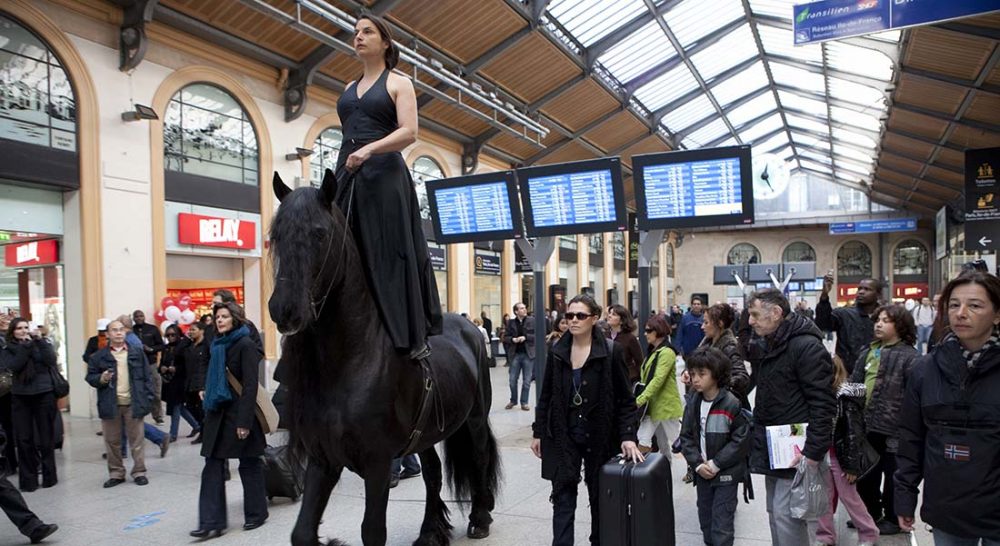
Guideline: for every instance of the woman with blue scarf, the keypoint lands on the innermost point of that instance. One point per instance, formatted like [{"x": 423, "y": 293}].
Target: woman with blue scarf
[{"x": 231, "y": 430}]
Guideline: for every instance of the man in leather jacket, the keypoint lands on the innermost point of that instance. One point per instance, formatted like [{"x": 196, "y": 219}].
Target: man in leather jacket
[{"x": 854, "y": 324}]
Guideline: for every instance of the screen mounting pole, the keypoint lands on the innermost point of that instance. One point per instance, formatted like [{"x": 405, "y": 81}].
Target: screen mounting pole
[
  {"x": 649, "y": 243},
  {"x": 538, "y": 255}
]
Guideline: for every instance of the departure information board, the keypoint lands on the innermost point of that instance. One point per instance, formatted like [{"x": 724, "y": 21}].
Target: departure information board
[
  {"x": 474, "y": 208},
  {"x": 694, "y": 188},
  {"x": 573, "y": 198}
]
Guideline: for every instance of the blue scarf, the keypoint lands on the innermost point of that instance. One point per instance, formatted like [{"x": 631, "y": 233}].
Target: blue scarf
[{"x": 217, "y": 391}]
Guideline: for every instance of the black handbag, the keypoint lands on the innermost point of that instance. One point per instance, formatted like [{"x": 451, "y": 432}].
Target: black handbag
[{"x": 60, "y": 387}]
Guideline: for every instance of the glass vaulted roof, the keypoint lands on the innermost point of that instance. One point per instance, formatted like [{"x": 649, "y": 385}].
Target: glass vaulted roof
[{"x": 725, "y": 72}]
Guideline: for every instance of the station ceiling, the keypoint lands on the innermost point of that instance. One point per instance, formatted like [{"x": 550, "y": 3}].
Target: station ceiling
[{"x": 889, "y": 114}]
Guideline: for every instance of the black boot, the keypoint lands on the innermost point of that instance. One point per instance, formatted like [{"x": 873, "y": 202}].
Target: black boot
[{"x": 423, "y": 352}]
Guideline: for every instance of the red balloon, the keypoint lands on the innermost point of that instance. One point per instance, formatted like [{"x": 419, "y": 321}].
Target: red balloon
[
  {"x": 159, "y": 316},
  {"x": 184, "y": 302},
  {"x": 167, "y": 301}
]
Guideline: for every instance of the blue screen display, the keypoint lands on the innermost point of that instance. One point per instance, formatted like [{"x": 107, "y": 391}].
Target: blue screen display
[
  {"x": 474, "y": 209},
  {"x": 571, "y": 199},
  {"x": 698, "y": 188}
]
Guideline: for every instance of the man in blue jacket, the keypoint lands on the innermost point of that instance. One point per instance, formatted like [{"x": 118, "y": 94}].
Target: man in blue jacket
[
  {"x": 124, "y": 386},
  {"x": 690, "y": 334}
]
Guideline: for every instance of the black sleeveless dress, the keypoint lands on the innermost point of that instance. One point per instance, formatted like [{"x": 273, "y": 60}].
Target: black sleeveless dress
[{"x": 385, "y": 220}]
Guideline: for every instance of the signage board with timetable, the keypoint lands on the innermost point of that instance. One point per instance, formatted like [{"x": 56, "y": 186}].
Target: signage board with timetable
[
  {"x": 696, "y": 188},
  {"x": 474, "y": 208},
  {"x": 573, "y": 198}
]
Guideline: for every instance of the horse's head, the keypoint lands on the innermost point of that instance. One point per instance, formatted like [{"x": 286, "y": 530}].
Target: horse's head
[{"x": 304, "y": 252}]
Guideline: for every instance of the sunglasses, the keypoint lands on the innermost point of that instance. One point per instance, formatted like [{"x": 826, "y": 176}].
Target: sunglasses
[
  {"x": 650, "y": 331},
  {"x": 578, "y": 316}
]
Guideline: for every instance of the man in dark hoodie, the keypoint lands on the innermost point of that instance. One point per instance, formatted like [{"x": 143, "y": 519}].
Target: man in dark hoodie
[
  {"x": 854, "y": 324},
  {"x": 794, "y": 376}
]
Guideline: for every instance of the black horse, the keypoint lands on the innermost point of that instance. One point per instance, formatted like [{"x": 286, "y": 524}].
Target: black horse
[{"x": 353, "y": 401}]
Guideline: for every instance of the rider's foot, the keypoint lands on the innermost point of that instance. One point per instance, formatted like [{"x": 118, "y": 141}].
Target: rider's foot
[{"x": 420, "y": 353}]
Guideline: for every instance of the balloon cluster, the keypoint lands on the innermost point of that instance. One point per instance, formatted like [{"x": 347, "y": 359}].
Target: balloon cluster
[{"x": 175, "y": 311}]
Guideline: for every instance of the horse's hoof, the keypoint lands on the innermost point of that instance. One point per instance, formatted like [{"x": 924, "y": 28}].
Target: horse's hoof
[{"x": 478, "y": 531}]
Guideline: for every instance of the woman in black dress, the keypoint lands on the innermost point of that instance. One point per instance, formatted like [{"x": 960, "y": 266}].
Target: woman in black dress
[
  {"x": 379, "y": 117},
  {"x": 231, "y": 429}
]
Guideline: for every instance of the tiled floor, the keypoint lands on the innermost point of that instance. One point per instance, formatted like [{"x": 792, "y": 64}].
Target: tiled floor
[{"x": 164, "y": 511}]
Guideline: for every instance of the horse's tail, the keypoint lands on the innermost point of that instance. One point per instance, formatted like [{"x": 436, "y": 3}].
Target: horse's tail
[{"x": 472, "y": 457}]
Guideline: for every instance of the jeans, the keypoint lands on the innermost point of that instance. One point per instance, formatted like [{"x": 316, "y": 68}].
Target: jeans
[
  {"x": 785, "y": 530},
  {"x": 879, "y": 498},
  {"x": 716, "y": 511},
  {"x": 212, "y": 513},
  {"x": 564, "y": 500},
  {"x": 178, "y": 411},
  {"x": 523, "y": 366},
  {"x": 848, "y": 496},
  {"x": 923, "y": 334},
  {"x": 409, "y": 463},
  {"x": 35, "y": 412},
  {"x": 942, "y": 538}
]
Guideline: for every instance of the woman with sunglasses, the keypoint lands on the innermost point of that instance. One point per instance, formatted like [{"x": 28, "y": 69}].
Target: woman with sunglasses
[
  {"x": 585, "y": 414},
  {"x": 174, "y": 369},
  {"x": 656, "y": 393}
]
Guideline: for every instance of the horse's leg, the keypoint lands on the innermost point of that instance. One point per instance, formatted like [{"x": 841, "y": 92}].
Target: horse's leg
[
  {"x": 376, "y": 499},
  {"x": 319, "y": 483},
  {"x": 435, "y": 531}
]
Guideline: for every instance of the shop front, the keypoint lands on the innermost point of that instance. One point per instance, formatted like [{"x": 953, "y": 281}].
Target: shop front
[{"x": 486, "y": 284}]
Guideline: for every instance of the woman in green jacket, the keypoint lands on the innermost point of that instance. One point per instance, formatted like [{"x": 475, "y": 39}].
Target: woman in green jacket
[{"x": 659, "y": 396}]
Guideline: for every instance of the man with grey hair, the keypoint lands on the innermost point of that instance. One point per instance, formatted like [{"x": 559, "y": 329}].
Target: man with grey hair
[{"x": 794, "y": 376}]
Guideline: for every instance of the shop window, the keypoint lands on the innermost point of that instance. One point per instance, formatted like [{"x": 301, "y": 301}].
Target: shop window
[
  {"x": 567, "y": 241},
  {"x": 670, "y": 261},
  {"x": 743, "y": 253},
  {"x": 799, "y": 252},
  {"x": 425, "y": 168},
  {"x": 326, "y": 150},
  {"x": 206, "y": 132},
  {"x": 597, "y": 243},
  {"x": 618, "y": 245},
  {"x": 910, "y": 258},
  {"x": 854, "y": 261},
  {"x": 37, "y": 104}
]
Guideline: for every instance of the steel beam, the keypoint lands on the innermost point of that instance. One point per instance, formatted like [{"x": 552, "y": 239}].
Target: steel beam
[
  {"x": 970, "y": 123},
  {"x": 874, "y": 83},
  {"x": 635, "y": 24},
  {"x": 918, "y": 178},
  {"x": 971, "y": 30},
  {"x": 840, "y": 103},
  {"x": 697, "y": 92},
  {"x": 694, "y": 127},
  {"x": 967, "y": 85},
  {"x": 903, "y": 155}
]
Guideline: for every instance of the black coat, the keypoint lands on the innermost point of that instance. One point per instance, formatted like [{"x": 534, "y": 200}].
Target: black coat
[
  {"x": 511, "y": 331},
  {"x": 140, "y": 382},
  {"x": 854, "y": 453},
  {"x": 175, "y": 384},
  {"x": 949, "y": 438},
  {"x": 794, "y": 378},
  {"x": 608, "y": 406},
  {"x": 151, "y": 339},
  {"x": 632, "y": 354},
  {"x": 219, "y": 430},
  {"x": 32, "y": 365},
  {"x": 855, "y": 330},
  {"x": 196, "y": 362},
  {"x": 93, "y": 345},
  {"x": 883, "y": 409},
  {"x": 727, "y": 438}
]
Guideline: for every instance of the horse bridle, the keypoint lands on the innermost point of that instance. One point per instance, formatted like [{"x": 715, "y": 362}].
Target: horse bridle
[{"x": 317, "y": 305}]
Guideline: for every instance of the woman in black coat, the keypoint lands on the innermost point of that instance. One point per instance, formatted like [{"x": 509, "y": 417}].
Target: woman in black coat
[
  {"x": 585, "y": 414},
  {"x": 231, "y": 429},
  {"x": 175, "y": 370},
  {"x": 623, "y": 328},
  {"x": 32, "y": 361}
]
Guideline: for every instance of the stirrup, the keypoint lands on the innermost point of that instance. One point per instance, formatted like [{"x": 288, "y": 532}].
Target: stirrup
[{"x": 421, "y": 353}]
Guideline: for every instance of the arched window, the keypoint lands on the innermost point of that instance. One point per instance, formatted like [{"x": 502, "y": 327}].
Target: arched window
[
  {"x": 37, "y": 104},
  {"x": 854, "y": 261},
  {"x": 910, "y": 258},
  {"x": 326, "y": 150},
  {"x": 743, "y": 253},
  {"x": 425, "y": 168},
  {"x": 670, "y": 261},
  {"x": 206, "y": 132},
  {"x": 799, "y": 252}
]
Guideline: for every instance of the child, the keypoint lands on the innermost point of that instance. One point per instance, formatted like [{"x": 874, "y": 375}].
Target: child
[
  {"x": 715, "y": 441},
  {"x": 883, "y": 368},
  {"x": 850, "y": 457}
]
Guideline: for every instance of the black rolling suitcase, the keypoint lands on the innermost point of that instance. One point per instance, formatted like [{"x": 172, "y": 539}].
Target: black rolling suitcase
[
  {"x": 636, "y": 502},
  {"x": 282, "y": 474}
]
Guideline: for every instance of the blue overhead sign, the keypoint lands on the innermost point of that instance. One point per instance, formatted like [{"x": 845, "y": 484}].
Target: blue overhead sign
[
  {"x": 834, "y": 19},
  {"x": 874, "y": 226}
]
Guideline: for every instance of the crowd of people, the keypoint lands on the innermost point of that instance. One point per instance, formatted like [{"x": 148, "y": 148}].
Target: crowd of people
[{"x": 881, "y": 417}]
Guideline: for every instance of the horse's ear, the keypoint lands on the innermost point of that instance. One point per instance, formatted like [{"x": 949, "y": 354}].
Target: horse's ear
[
  {"x": 329, "y": 187},
  {"x": 281, "y": 190}
]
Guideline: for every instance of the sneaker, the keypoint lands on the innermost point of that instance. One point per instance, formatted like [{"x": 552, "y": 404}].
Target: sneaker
[
  {"x": 886, "y": 527},
  {"x": 42, "y": 532}
]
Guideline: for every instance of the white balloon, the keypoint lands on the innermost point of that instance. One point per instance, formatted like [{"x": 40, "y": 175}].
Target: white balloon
[
  {"x": 173, "y": 313},
  {"x": 187, "y": 316},
  {"x": 164, "y": 325}
]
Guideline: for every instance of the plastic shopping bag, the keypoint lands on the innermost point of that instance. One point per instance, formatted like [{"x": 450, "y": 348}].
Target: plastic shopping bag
[{"x": 810, "y": 491}]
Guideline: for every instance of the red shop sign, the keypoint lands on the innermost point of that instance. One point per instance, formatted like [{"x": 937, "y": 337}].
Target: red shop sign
[
  {"x": 195, "y": 229},
  {"x": 32, "y": 253},
  {"x": 847, "y": 291},
  {"x": 913, "y": 291}
]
